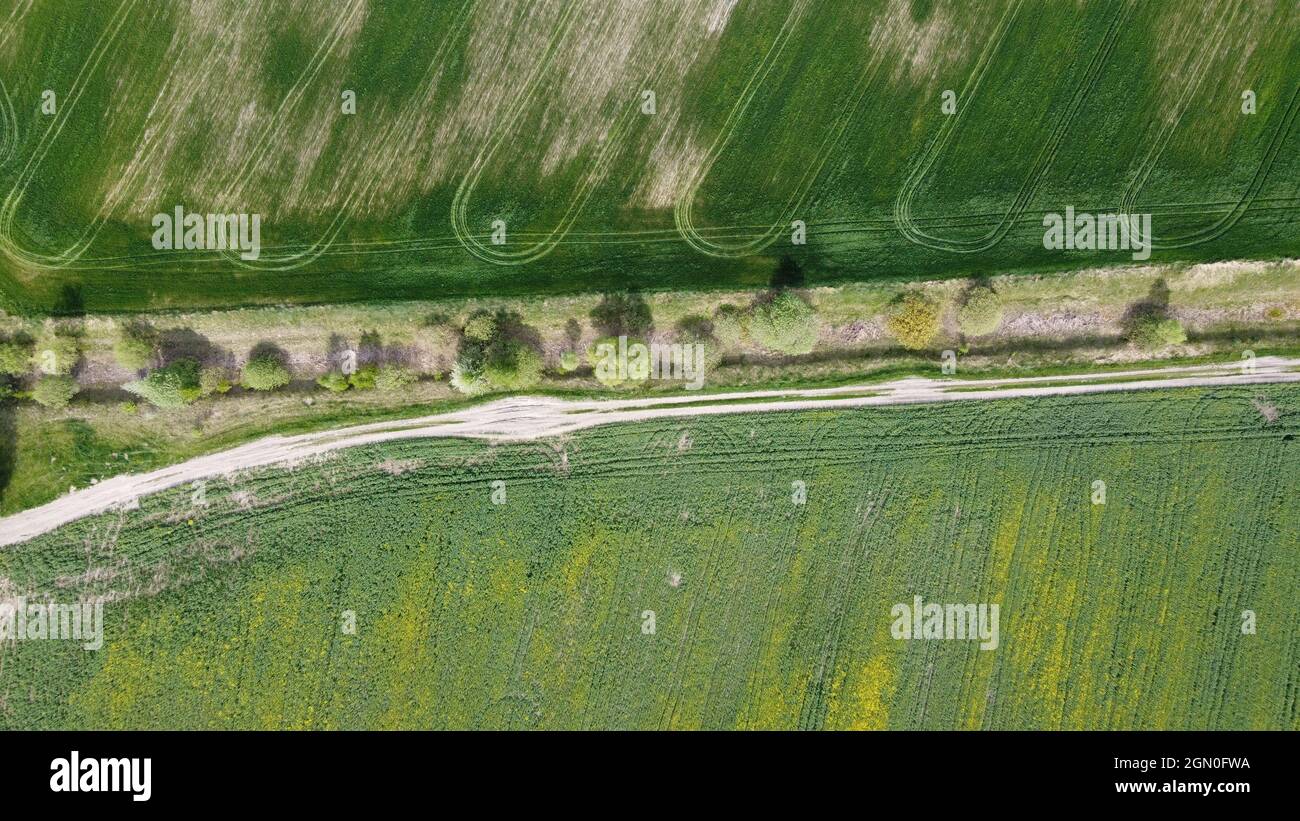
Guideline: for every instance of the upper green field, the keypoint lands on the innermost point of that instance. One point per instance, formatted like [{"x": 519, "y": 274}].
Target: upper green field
[
  {"x": 768, "y": 613},
  {"x": 531, "y": 113}
]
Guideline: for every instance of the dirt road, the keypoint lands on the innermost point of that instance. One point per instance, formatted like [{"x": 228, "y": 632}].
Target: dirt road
[{"x": 532, "y": 417}]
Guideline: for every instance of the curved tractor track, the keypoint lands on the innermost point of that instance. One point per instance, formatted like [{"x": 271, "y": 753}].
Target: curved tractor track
[
  {"x": 682, "y": 211},
  {"x": 909, "y": 226},
  {"x": 9, "y": 208},
  {"x": 847, "y": 228},
  {"x": 726, "y": 241},
  {"x": 543, "y": 242},
  {"x": 8, "y": 120},
  {"x": 291, "y": 257},
  {"x": 296, "y": 259},
  {"x": 1236, "y": 210}
]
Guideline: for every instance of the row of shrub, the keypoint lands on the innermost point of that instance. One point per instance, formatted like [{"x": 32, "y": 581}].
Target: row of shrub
[
  {"x": 498, "y": 352},
  {"x": 915, "y": 319},
  {"x": 52, "y": 358}
]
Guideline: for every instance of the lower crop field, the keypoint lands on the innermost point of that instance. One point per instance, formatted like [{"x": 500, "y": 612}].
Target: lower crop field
[{"x": 1133, "y": 557}]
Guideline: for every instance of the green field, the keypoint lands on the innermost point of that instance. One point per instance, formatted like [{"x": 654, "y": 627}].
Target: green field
[
  {"x": 531, "y": 113},
  {"x": 768, "y": 613}
]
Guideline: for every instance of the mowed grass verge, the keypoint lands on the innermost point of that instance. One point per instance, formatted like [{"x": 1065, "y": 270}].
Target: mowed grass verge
[{"x": 767, "y": 613}]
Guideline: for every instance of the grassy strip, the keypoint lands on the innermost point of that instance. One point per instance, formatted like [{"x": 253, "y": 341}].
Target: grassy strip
[{"x": 52, "y": 451}]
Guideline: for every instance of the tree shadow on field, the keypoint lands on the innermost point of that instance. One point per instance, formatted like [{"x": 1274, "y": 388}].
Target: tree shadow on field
[
  {"x": 186, "y": 343},
  {"x": 511, "y": 325},
  {"x": 1155, "y": 306},
  {"x": 508, "y": 328},
  {"x": 788, "y": 274},
  {"x": 695, "y": 326},
  {"x": 370, "y": 349},
  {"x": 70, "y": 301},
  {"x": 269, "y": 350},
  {"x": 978, "y": 282},
  {"x": 622, "y": 314},
  {"x": 573, "y": 333},
  {"x": 336, "y": 350}
]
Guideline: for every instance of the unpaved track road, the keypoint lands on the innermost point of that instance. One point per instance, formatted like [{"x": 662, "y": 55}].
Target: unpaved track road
[{"x": 533, "y": 417}]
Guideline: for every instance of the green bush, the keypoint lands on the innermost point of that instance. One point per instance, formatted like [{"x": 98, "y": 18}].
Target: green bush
[
  {"x": 481, "y": 327},
  {"x": 913, "y": 319},
  {"x": 730, "y": 326},
  {"x": 334, "y": 382},
  {"x": 569, "y": 361},
  {"x": 502, "y": 361},
  {"x": 363, "y": 378},
  {"x": 172, "y": 386},
  {"x": 1155, "y": 332},
  {"x": 265, "y": 373},
  {"x": 55, "y": 354},
  {"x": 786, "y": 324},
  {"x": 55, "y": 391},
  {"x": 15, "y": 358},
  {"x": 136, "y": 347},
  {"x": 395, "y": 378},
  {"x": 981, "y": 313},
  {"x": 213, "y": 379},
  {"x": 698, "y": 331},
  {"x": 514, "y": 368},
  {"x": 467, "y": 377}
]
